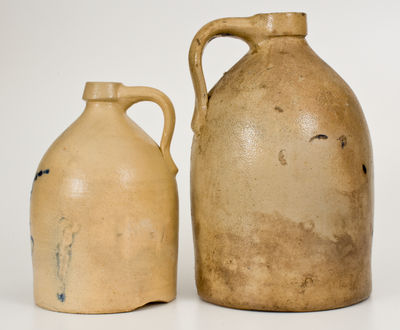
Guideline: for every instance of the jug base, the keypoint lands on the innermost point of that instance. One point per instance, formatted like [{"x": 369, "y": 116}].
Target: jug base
[
  {"x": 106, "y": 309},
  {"x": 282, "y": 307}
]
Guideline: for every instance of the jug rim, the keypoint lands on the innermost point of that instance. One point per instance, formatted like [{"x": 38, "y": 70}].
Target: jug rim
[
  {"x": 101, "y": 91},
  {"x": 282, "y": 23}
]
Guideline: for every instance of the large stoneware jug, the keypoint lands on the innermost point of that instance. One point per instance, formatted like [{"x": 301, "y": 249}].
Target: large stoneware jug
[
  {"x": 281, "y": 176},
  {"x": 104, "y": 209}
]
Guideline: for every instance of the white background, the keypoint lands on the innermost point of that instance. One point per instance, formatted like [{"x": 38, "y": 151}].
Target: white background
[{"x": 49, "y": 49}]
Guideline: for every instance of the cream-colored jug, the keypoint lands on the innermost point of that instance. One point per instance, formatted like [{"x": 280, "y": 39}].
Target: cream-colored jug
[
  {"x": 104, "y": 209},
  {"x": 281, "y": 176}
]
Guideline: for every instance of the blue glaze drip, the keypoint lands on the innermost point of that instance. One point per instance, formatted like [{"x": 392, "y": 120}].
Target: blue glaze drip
[
  {"x": 40, "y": 173},
  {"x": 61, "y": 296}
]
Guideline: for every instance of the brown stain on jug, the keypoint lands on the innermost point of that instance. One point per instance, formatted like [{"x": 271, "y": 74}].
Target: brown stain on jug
[
  {"x": 271, "y": 253},
  {"x": 282, "y": 157}
]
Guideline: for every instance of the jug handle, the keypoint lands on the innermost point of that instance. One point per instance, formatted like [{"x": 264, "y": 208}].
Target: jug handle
[
  {"x": 244, "y": 28},
  {"x": 131, "y": 95}
]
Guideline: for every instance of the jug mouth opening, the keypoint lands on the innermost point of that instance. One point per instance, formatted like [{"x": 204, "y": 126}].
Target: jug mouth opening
[
  {"x": 283, "y": 23},
  {"x": 101, "y": 91}
]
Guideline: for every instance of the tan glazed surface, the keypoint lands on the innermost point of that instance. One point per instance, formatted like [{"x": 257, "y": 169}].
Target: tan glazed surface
[
  {"x": 281, "y": 176},
  {"x": 104, "y": 209}
]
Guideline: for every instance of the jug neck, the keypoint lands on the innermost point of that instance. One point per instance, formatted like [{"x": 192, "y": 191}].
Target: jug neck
[
  {"x": 108, "y": 106},
  {"x": 281, "y": 42}
]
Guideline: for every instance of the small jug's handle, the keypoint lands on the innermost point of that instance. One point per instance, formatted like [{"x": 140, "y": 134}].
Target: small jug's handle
[
  {"x": 244, "y": 28},
  {"x": 132, "y": 95}
]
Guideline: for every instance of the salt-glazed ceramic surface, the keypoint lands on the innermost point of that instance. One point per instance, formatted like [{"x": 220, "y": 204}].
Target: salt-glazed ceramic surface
[
  {"x": 282, "y": 177},
  {"x": 104, "y": 209}
]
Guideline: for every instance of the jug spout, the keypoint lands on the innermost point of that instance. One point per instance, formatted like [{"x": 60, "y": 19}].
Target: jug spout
[
  {"x": 101, "y": 91},
  {"x": 281, "y": 24}
]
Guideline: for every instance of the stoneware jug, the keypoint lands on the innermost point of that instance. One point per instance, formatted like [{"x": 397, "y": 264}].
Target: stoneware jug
[
  {"x": 104, "y": 209},
  {"x": 281, "y": 174}
]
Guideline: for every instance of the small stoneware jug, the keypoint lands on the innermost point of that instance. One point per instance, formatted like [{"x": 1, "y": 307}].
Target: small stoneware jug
[
  {"x": 104, "y": 209},
  {"x": 281, "y": 176}
]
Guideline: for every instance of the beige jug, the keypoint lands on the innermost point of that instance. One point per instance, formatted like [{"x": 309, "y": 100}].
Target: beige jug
[
  {"x": 281, "y": 175},
  {"x": 104, "y": 209}
]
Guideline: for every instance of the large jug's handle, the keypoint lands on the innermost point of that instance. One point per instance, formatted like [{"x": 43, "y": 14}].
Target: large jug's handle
[
  {"x": 244, "y": 28},
  {"x": 253, "y": 30},
  {"x": 132, "y": 95}
]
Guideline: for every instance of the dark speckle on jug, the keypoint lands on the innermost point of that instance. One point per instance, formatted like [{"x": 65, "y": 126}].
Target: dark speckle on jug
[
  {"x": 61, "y": 296},
  {"x": 343, "y": 141},
  {"x": 364, "y": 168},
  {"x": 319, "y": 137},
  {"x": 306, "y": 283},
  {"x": 40, "y": 173},
  {"x": 32, "y": 244},
  {"x": 282, "y": 157}
]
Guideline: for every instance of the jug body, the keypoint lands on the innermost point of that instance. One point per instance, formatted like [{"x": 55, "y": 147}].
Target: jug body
[
  {"x": 281, "y": 176},
  {"x": 104, "y": 210}
]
